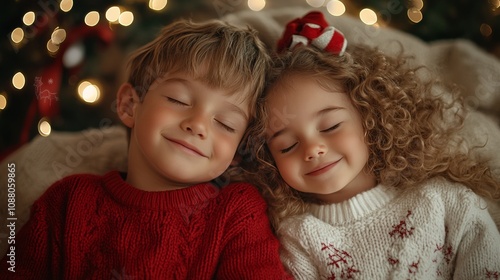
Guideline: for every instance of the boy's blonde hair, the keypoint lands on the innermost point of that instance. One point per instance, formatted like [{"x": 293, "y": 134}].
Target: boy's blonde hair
[
  {"x": 222, "y": 55},
  {"x": 410, "y": 130}
]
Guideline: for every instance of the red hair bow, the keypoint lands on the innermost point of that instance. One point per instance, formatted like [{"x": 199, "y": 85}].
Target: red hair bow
[{"x": 313, "y": 29}]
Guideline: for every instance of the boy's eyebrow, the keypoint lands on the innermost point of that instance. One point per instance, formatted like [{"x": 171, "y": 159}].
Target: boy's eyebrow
[
  {"x": 318, "y": 114},
  {"x": 180, "y": 80},
  {"x": 237, "y": 109}
]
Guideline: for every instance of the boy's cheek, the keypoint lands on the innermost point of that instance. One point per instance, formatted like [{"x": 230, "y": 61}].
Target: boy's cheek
[{"x": 227, "y": 146}]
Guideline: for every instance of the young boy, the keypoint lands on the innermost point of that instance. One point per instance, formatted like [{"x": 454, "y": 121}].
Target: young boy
[{"x": 188, "y": 101}]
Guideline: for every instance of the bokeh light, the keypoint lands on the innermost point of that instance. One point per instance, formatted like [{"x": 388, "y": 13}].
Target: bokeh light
[
  {"x": 89, "y": 92},
  {"x": 417, "y": 4},
  {"x": 126, "y": 18},
  {"x": 335, "y": 7},
  {"x": 29, "y": 18},
  {"x": 18, "y": 80},
  {"x": 485, "y": 30},
  {"x": 368, "y": 16},
  {"x": 157, "y": 5},
  {"x": 58, "y": 36},
  {"x": 113, "y": 13},
  {"x": 66, "y": 5},
  {"x": 256, "y": 5},
  {"x": 44, "y": 127},
  {"x": 17, "y": 35},
  {"x": 3, "y": 101},
  {"x": 92, "y": 18},
  {"x": 74, "y": 55},
  {"x": 51, "y": 47},
  {"x": 315, "y": 3},
  {"x": 415, "y": 15}
]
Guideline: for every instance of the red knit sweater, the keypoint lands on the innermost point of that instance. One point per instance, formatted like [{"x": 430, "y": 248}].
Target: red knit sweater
[{"x": 100, "y": 227}]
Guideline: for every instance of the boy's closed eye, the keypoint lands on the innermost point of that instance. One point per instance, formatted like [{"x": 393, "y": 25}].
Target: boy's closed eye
[
  {"x": 226, "y": 126},
  {"x": 231, "y": 118},
  {"x": 229, "y": 127},
  {"x": 175, "y": 101}
]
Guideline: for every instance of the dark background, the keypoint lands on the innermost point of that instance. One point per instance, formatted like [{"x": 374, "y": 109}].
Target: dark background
[{"x": 106, "y": 45}]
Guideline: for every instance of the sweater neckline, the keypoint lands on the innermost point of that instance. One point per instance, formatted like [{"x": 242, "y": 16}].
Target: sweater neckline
[
  {"x": 130, "y": 196},
  {"x": 354, "y": 208}
]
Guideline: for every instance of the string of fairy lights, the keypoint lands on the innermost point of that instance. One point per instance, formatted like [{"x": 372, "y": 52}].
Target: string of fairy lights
[{"x": 89, "y": 90}]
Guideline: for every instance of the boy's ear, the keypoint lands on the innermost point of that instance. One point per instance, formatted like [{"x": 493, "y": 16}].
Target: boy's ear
[{"x": 127, "y": 99}]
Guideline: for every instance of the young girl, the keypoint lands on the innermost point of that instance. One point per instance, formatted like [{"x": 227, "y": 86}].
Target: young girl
[{"x": 369, "y": 156}]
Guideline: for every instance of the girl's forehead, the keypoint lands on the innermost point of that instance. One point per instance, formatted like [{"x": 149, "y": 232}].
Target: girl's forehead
[
  {"x": 304, "y": 93},
  {"x": 302, "y": 99}
]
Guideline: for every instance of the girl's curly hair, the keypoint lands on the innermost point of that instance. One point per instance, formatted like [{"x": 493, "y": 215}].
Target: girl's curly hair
[{"x": 411, "y": 124}]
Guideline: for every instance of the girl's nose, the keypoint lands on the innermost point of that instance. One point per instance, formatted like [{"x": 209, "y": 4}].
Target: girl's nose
[{"x": 314, "y": 151}]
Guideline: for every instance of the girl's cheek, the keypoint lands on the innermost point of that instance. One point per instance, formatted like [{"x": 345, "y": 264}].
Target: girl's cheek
[{"x": 285, "y": 166}]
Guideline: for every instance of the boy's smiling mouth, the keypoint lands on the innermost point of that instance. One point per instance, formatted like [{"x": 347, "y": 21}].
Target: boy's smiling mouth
[{"x": 186, "y": 147}]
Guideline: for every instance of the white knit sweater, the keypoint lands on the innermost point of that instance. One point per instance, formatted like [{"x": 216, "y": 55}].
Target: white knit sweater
[{"x": 437, "y": 231}]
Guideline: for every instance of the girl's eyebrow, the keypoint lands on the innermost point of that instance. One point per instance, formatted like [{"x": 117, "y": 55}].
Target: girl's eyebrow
[
  {"x": 327, "y": 110},
  {"x": 318, "y": 114},
  {"x": 277, "y": 133}
]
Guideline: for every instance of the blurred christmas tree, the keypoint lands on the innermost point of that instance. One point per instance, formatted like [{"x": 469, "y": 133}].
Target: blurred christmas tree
[
  {"x": 478, "y": 21},
  {"x": 61, "y": 61},
  {"x": 54, "y": 46}
]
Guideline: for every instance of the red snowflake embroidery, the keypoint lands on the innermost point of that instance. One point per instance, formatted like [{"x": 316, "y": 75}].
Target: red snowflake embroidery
[
  {"x": 413, "y": 267},
  {"x": 393, "y": 261},
  {"x": 492, "y": 274},
  {"x": 447, "y": 252},
  {"x": 341, "y": 260},
  {"x": 443, "y": 256},
  {"x": 402, "y": 230}
]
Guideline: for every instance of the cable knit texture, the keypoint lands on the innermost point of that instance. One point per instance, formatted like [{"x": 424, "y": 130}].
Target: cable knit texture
[
  {"x": 100, "y": 227},
  {"x": 437, "y": 231}
]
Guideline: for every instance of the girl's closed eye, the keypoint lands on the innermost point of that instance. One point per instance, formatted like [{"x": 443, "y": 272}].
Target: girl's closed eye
[
  {"x": 286, "y": 150},
  {"x": 331, "y": 128}
]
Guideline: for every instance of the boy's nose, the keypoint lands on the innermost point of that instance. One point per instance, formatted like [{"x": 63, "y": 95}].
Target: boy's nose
[
  {"x": 196, "y": 126},
  {"x": 314, "y": 151}
]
